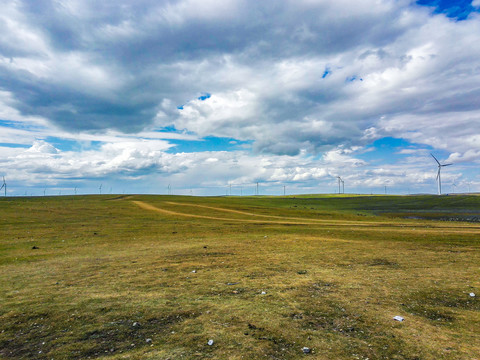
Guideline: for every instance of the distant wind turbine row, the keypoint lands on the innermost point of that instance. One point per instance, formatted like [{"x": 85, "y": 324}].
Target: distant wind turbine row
[{"x": 341, "y": 183}]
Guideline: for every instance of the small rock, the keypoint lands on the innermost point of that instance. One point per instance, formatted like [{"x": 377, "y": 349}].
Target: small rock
[
  {"x": 210, "y": 342},
  {"x": 232, "y": 283},
  {"x": 398, "y": 318},
  {"x": 135, "y": 324},
  {"x": 263, "y": 293},
  {"x": 149, "y": 341},
  {"x": 194, "y": 271},
  {"x": 472, "y": 294},
  {"x": 306, "y": 350}
]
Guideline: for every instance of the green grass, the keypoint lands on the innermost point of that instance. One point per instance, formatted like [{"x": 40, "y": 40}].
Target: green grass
[{"x": 272, "y": 275}]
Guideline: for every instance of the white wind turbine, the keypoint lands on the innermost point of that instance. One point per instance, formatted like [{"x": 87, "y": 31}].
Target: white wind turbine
[
  {"x": 339, "y": 184},
  {"x": 4, "y": 186},
  {"x": 439, "y": 180}
]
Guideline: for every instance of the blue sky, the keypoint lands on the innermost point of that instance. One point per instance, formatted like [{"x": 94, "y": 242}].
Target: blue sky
[{"x": 204, "y": 97}]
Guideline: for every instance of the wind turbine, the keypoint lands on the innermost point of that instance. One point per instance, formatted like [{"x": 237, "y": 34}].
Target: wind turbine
[
  {"x": 4, "y": 186},
  {"x": 439, "y": 180},
  {"x": 341, "y": 185}
]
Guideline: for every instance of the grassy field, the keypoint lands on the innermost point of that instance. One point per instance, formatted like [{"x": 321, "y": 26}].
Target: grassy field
[{"x": 157, "y": 277}]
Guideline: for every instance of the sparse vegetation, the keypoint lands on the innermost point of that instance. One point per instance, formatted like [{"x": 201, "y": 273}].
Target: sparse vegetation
[{"x": 156, "y": 277}]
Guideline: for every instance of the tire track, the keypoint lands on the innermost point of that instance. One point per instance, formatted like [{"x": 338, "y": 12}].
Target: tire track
[
  {"x": 309, "y": 220},
  {"x": 374, "y": 226},
  {"x": 147, "y": 206}
]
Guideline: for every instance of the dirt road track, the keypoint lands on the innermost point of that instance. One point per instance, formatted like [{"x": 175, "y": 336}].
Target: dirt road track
[
  {"x": 147, "y": 206},
  {"x": 373, "y": 225}
]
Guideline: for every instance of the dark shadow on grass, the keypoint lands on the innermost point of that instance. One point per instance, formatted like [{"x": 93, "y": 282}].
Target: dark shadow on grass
[
  {"x": 41, "y": 337},
  {"x": 439, "y": 305}
]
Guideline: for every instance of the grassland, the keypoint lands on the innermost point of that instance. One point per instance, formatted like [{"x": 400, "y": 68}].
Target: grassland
[{"x": 156, "y": 277}]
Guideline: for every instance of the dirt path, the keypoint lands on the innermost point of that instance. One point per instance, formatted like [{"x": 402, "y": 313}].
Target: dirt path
[
  {"x": 372, "y": 225},
  {"x": 147, "y": 206},
  {"x": 299, "y": 221},
  {"x": 309, "y": 220}
]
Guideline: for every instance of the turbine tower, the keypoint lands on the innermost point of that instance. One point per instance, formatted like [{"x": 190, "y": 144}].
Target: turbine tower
[
  {"x": 439, "y": 180},
  {"x": 4, "y": 186},
  {"x": 341, "y": 185}
]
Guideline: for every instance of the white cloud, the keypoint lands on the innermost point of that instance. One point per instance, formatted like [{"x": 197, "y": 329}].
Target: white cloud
[
  {"x": 18, "y": 36},
  {"x": 42, "y": 147},
  {"x": 298, "y": 78},
  {"x": 177, "y": 13},
  {"x": 220, "y": 111},
  {"x": 467, "y": 156}
]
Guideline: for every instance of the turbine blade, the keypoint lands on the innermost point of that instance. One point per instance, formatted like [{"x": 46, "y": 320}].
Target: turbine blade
[
  {"x": 446, "y": 164},
  {"x": 435, "y": 159},
  {"x": 438, "y": 173},
  {"x": 2, "y": 187}
]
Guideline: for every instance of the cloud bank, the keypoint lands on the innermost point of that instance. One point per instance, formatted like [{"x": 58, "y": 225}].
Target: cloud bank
[{"x": 303, "y": 79}]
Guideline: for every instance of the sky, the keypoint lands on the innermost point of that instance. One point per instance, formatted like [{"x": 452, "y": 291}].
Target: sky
[{"x": 212, "y": 97}]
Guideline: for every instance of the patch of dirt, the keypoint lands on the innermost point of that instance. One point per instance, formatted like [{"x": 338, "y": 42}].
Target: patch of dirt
[
  {"x": 277, "y": 346},
  {"x": 382, "y": 262},
  {"x": 335, "y": 318},
  {"x": 439, "y": 305},
  {"x": 356, "y": 333},
  {"x": 35, "y": 340},
  {"x": 120, "y": 197}
]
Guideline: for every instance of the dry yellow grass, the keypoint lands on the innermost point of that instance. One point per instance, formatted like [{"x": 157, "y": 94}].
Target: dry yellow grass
[{"x": 271, "y": 276}]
